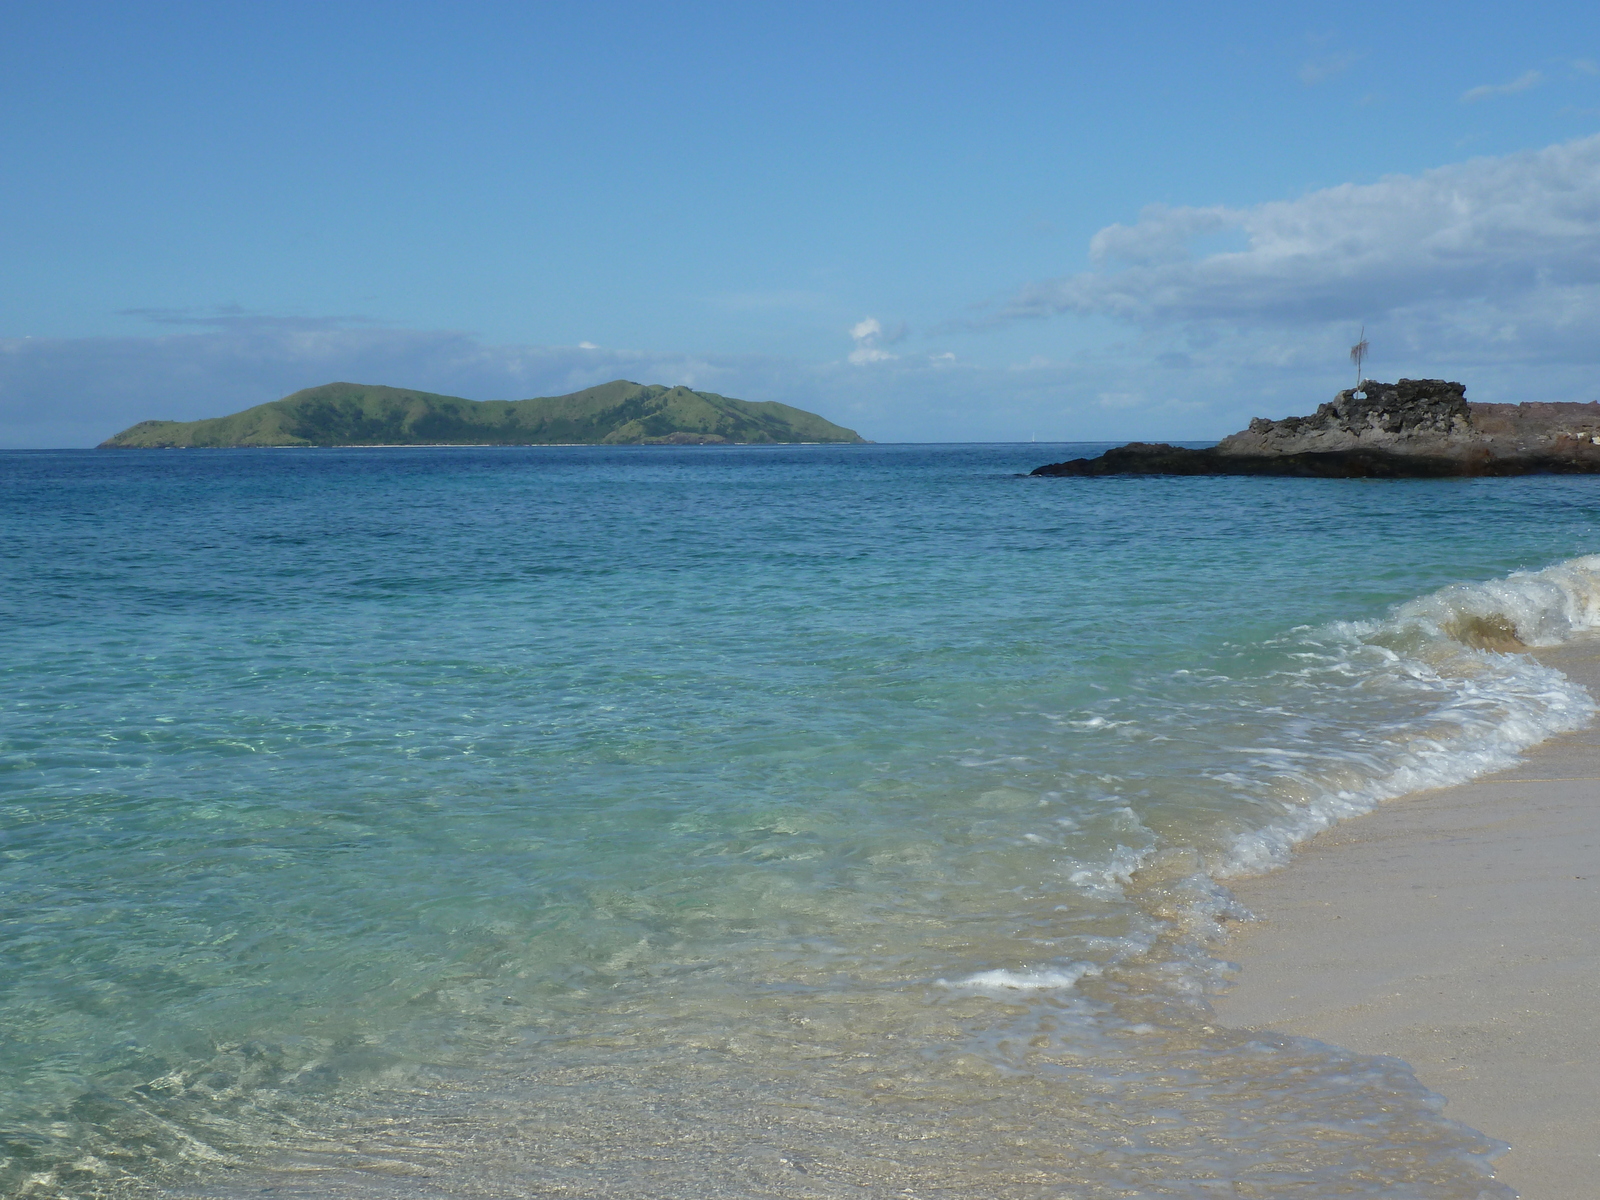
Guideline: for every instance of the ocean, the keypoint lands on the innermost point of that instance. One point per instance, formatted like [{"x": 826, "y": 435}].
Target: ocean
[{"x": 800, "y": 821}]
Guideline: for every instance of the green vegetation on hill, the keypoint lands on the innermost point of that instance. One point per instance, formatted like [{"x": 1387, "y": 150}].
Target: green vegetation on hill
[{"x": 617, "y": 413}]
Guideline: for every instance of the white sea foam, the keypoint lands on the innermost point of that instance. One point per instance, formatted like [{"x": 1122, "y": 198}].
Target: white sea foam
[
  {"x": 1107, "y": 880},
  {"x": 1544, "y": 608},
  {"x": 1474, "y": 701},
  {"x": 1461, "y": 645},
  {"x": 1026, "y": 980}
]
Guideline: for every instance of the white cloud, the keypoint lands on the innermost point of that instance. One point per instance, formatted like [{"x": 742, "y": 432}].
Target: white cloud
[
  {"x": 870, "y": 335},
  {"x": 1163, "y": 234},
  {"x": 1520, "y": 84},
  {"x": 1486, "y": 271},
  {"x": 1494, "y": 251}
]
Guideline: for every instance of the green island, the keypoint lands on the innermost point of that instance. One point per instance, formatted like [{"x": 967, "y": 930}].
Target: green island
[{"x": 619, "y": 413}]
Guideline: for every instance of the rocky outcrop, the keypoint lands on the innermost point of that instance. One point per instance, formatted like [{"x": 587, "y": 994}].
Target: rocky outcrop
[
  {"x": 1416, "y": 428},
  {"x": 1412, "y": 415}
]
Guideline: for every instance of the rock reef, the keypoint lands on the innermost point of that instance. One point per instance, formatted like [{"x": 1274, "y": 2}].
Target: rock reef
[{"x": 1413, "y": 429}]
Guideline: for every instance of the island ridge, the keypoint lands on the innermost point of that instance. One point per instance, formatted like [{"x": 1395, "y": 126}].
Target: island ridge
[{"x": 619, "y": 413}]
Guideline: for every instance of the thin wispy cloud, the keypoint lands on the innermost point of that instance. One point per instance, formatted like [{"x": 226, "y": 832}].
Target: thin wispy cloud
[
  {"x": 1329, "y": 66},
  {"x": 1167, "y": 381},
  {"x": 79, "y": 391},
  {"x": 1521, "y": 83},
  {"x": 797, "y": 299},
  {"x": 231, "y": 316}
]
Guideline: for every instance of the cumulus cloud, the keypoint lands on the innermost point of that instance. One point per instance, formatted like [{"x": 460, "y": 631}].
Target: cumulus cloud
[
  {"x": 1520, "y": 84},
  {"x": 870, "y": 338},
  {"x": 1493, "y": 251}
]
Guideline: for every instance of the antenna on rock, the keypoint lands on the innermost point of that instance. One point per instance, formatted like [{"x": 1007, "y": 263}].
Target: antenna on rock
[{"x": 1358, "y": 354}]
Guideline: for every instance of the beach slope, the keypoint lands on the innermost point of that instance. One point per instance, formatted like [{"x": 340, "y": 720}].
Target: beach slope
[{"x": 1458, "y": 930}]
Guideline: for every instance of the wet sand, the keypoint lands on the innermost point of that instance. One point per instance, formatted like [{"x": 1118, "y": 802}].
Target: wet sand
[{"x": 1459, "y": 930}]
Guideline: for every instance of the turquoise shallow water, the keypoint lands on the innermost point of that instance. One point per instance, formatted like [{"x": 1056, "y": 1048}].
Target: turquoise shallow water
[{"x": 810, "y": 821}]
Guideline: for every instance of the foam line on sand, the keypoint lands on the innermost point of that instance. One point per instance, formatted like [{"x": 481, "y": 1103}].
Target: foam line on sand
[{"x": 1459, "y": 930}]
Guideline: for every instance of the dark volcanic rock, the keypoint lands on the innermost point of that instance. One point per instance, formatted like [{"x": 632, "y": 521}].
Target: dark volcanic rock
[
  {"x": 1145, "y": 458},
  {"x": 1404, "y": 416},
  {"x": 1416, "y": 428}
]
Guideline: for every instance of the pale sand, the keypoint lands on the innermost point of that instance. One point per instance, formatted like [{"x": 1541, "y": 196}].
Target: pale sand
[{"x": 1458, "y": 930}]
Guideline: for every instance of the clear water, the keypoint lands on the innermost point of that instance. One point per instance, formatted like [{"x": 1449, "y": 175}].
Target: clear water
[{"x": 801, "y": 822}]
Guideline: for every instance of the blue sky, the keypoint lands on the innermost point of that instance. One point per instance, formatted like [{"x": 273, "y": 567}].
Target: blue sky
[{"x": 930, "y": 221}]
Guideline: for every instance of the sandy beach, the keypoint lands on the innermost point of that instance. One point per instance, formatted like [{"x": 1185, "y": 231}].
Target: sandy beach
[{"x": 1459, "y": 930}]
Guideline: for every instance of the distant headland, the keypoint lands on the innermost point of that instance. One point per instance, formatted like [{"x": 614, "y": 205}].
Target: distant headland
[
  {"x": 1413, "y": 429},
  {"x": 619, "y": 413}
]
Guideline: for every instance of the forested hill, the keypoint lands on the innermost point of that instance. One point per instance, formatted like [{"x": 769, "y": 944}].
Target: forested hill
[{"x": 616, "y": 413}]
